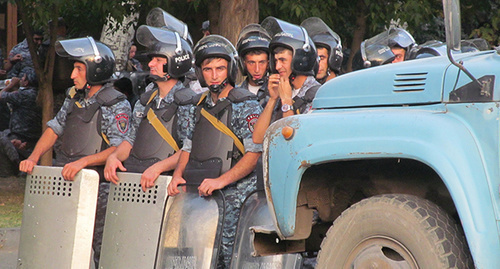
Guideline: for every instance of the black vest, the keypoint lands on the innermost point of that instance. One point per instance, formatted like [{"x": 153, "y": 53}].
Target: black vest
[
  {"x": 82, "y": 134},
  {"x": 213, "y": 152},
  {"x": 149, "y": 147}
]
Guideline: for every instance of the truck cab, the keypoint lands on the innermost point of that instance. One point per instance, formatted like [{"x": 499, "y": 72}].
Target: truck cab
[{"x": 398, "y": 162}]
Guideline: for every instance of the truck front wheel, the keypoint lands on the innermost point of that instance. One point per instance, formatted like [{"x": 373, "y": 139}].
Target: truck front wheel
[{"x": 394, "y": 231}]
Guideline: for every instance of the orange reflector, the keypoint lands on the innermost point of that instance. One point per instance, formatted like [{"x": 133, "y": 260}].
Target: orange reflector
[{"x": 287, "y": 132}]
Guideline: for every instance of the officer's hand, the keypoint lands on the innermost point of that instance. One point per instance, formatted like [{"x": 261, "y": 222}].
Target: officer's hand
[
  {"x": 209, "y": 185},
  {"x": 285, "y": 89},
  {"x": 272, "y": 86},
  {"x": 172, "y": 187},
  {"x": 16, "y": 58},
  {"x": 149, "y": 177},
  {"x": 27, "y": 166},
  {"x": 112, "y": 163},
  {"x": 70, "y": 169}
]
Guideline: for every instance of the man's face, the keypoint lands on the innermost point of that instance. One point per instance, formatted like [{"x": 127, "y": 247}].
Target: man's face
[
  {"x": 37, "y": 39},
  {"x": 256, "y": 65},
  {"x": 79, "y": 75},
  {"x": 399, "y": 53},
  {"x": 323, "y": 63},
  {"x": 214, "y": 71},
  {"x": 283, "y": 61},
  {"x": 131, "y": 53},
  {"x": 156, "y": 66}
]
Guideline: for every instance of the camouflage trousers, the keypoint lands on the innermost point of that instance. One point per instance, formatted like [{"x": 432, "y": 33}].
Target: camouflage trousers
[
  {"x": 234, "y": 196},
  {"x": 102, "y": 201}
]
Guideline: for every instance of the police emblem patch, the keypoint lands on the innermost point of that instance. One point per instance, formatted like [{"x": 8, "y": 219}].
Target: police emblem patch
[
  {"x": 122, "y": 122},
  {"x": 251, "y": 120}
]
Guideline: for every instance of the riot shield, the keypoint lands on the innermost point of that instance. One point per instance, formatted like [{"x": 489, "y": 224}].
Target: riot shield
[
  {"x": 255, "y": 212},
  {"x": 133, "y": 222},
  {"x": 191, "y": 231},
  {"x": 58, "y": 219}
]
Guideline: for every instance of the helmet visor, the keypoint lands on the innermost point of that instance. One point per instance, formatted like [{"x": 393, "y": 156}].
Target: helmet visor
[
  {"x": 276, "y": 27},
  {"x": 77, "y": 47},
  {"x": 149, "y": 36},
  {"x": 157, "y": 17},
  {"x": 316, "y": 26}
]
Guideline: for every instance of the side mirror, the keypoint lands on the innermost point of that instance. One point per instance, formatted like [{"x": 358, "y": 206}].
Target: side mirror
[{"x": 452, "y": 23}]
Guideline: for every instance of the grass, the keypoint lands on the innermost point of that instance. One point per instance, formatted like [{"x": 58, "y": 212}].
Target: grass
[{"x": 11, "y": 201}]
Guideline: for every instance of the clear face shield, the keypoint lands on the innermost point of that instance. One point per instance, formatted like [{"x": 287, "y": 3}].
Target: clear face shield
[
  {"x": 78, "y": 47},
  {"x": 315, "y": 26},
  {"x": 157, "y": 17}
]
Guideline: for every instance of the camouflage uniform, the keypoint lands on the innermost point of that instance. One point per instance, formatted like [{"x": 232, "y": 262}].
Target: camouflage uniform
[
  {"x": 181, "y": 128},
  {"x": 26, "y": 118},
  {"x": 262, "y": 95},
  {"x": 115, "y": 125},
  {"x": 309, "y": 83},
  {"x": 25, "y": 125},
  {"x": 22, "y": 67},
  {"x": 185, "y": 114},
  {"x": 243, "y": 117}
]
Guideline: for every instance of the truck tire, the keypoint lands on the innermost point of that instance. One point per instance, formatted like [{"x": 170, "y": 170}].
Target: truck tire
[{"x": 394, "y": 231}]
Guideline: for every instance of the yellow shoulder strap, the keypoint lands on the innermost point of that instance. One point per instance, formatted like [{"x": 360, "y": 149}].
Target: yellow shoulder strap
[
  {"x": 153, "y": 119},
  {"x": 202, "y": 97},
  {"x": 105, "y": 137},
  {"x": 223, "y": 128},
  {"x": 152, "y": 96}
]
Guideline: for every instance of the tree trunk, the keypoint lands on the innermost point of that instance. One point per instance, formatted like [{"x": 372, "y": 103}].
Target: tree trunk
[
  {"x": 44, "y": 73},
  {"x": 213, "y": 16},
  {"x": 236, "y": 14},
  {"x": 359, "y": 32}
]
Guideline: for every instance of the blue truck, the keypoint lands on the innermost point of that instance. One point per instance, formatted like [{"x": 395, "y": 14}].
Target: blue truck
[{"x": 397, "y": 166}]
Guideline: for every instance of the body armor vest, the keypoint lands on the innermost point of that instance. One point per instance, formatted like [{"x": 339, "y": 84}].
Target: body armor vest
[
  {"x": 213, "y": 152},
  {"x": 149, "y": 146},
  {"x": 82, "y": 134}
]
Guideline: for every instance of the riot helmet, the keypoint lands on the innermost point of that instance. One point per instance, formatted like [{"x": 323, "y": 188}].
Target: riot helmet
[
  {"x": 158, "y": 17},
  {"x": 324, "y": 37},
  {"x": 168, "y": 44},
  {"x": 97, "y": 57},
  {"x": 252, "y": 38},
  {"x": 393, "y": 37},
  {"x": 296, "y": 39},
  {"x": 216, "y": 46}
]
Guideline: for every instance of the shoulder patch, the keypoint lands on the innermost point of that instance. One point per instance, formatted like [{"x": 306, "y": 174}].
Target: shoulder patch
[
  {"x": 122, "y": 122},
  {"x": 251, "y": 120}
]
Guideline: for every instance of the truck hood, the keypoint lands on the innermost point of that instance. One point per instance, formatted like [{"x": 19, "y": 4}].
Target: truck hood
[{"x": 414, "y": 82}]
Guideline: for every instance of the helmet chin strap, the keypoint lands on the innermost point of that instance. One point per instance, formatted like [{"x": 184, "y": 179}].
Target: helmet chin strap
[
  {"x": 218, "y": 88},
  {"x": 163, "y": 78},
  {"x": 259, "y": 81}
]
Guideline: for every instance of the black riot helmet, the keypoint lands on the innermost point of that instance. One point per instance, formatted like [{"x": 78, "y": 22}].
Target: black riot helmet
[
  {"x": 252, "y": 38},
  {"x": 377, "y": 50},
  {"x": 324, "y": 37},
  {"x": 216, "y": 46},
  {"x": 97, "y": 57},
  {"x": 168, "y": 44},
  {"x": 157, "y": 17},
  {"x": 295, "y": 38}
]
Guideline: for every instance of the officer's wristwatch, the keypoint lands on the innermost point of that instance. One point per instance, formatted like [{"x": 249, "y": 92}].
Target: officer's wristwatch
[{"x": 286, "y": 108}]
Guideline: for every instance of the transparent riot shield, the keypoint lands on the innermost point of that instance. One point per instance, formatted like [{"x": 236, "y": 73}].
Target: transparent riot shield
[
  {"x": 255, "y": 212},
  {"x": 191, "y": 231},
  {"x": 58, "y": 219},
  {"x": 133, "y": 222}
]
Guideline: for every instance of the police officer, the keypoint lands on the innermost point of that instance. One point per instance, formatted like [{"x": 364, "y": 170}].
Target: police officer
[
  {"x": 329, "y": 48},
  {"x": 253, "y": 51},
  {"x": 164, "y": 116},
  {"x": 391, "y": 46},
  {"x": 85, "y": 142},
  {"x": 294, "y": 59},
  {"x": 228, "y": 109}
]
